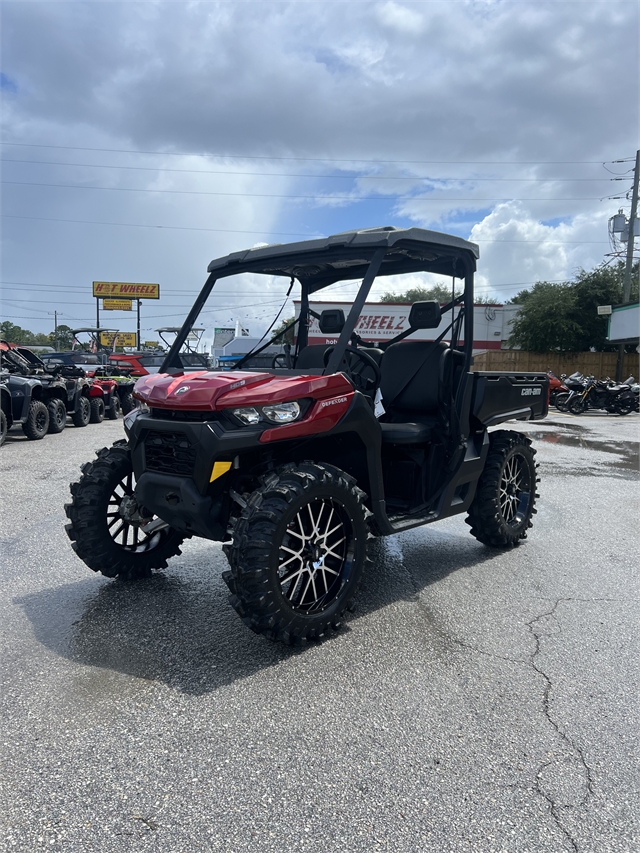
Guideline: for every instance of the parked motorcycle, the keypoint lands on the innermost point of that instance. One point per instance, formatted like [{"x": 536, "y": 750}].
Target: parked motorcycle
[
  {"x": 556, "y": 386},
  {"x": 575, "y": 385},
  {"x": 604, "y": 394}
]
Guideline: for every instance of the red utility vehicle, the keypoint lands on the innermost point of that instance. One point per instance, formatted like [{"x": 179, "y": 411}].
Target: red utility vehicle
[{"x": 294, "y": 468}]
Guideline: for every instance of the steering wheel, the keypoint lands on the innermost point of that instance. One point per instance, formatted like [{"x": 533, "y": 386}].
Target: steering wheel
[
  {"x": 359, "y": 367},
  {"x": 279, "y": 360}
]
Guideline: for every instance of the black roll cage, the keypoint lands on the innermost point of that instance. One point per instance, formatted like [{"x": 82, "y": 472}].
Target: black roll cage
[{"x": 316, "y": 264}]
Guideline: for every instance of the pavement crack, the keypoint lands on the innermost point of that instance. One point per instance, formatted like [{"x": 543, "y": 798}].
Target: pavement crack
[
  {"x": 486, "y": 653},
  {"x": 574, "y": 752}
]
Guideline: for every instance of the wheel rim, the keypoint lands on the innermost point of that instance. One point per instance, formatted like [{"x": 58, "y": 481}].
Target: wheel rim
[
  {"x": 128, "y": 534},
  {"x": 41, "y": 420},
  {"x": 515, "y": 490},
  {"x": 316, "y": 555},
  {"x": 60, "y": 414}
]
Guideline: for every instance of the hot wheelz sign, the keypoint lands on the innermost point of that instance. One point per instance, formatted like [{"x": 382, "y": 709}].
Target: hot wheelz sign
[{"x": 125, "y": 290}]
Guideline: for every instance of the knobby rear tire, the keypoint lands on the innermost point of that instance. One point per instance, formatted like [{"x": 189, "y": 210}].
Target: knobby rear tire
[
  {"x": 97, "y": 410},
  {"x": 127, "y": 403},
  {"x": 37, "y": 423},
  {"x": 57, "y": 416},
  {"x": 113, "y": 412},
  {"x": 95, "y": 525},
  {"x": 4, "y": 427},
  {"x": 82, "y": 414},
  {"x": 298, "y": 552},
  {"x": 504, "y": 504}
]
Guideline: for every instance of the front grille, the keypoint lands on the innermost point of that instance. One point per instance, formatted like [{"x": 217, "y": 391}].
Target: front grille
[
  {"x": 183, "y": 415},
  {"x": 169, "y": 453}
]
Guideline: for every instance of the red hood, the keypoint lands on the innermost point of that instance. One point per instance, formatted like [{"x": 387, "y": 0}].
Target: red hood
[{"x": 206, "y": 390}]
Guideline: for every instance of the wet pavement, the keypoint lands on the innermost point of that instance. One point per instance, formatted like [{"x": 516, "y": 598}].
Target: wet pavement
[{"x": 476, "y": 700}]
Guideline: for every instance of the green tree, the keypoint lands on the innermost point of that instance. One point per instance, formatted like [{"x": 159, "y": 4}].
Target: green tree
[
  {"x": 16, "y": 334},
  {"x": 420, "y": 294},
  {"x": 278, "y": 338},
  {"x": 64, "y": 337},
  {"x": 546, "y": 323},
  {"x": 439, "y": 292},
  {"x": 563, "y": 317}
]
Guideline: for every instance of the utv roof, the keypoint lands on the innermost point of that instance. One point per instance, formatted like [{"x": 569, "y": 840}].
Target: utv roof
[{"x": 346, "y": 256}]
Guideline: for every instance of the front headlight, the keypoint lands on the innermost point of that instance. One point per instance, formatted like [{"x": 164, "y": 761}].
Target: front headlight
[{"x": 274, "y": 413}]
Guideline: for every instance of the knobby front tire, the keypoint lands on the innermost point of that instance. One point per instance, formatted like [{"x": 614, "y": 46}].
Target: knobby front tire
[{"x": 298, "y": 552}]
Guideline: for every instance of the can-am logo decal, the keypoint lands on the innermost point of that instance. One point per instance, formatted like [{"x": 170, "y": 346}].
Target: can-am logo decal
[
  {"x": 333, "y": 402},
  {"x": 182, "y": 390},
  {"x": 530, "y": 392}
]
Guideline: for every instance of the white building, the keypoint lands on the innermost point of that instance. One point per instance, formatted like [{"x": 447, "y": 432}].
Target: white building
[{"x": 382, "y": 321}]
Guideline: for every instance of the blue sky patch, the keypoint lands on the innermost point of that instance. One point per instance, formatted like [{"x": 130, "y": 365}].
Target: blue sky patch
[
  {"x": 7, "y": 84},
  {"x": 553, "y": 223}
]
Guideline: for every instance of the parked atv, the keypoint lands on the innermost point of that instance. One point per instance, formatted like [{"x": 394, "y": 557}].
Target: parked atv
[
  {"x": 293, "y": 469},
  {"x": 22, "y": 399},
  {"x": 93, "y": 367},
  {"x": 65, "y": 389}
]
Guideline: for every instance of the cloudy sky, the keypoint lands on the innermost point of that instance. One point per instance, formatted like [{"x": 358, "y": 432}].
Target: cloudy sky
[{"x": 141, "y": 140}]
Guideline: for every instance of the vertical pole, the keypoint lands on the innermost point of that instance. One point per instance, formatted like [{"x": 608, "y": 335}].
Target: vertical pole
[
  {"x": 626, "y": 283},
  {"x": 303, "y": 325},
  {"x": 138, "y": 330},
  {"x": 97, "y": 312}
]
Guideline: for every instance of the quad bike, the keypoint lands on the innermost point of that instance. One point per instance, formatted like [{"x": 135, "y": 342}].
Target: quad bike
[
  {"x": 112, "y": 387},
  {"x": 294, "y": 468},
  {"x": 63, "y": 389}
]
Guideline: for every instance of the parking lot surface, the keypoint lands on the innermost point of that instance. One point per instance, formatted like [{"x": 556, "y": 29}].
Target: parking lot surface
[{"x": 476, "y": 700}]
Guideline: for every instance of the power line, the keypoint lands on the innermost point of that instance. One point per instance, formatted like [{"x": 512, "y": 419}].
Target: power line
[
  {"x": 352, "y": 198},
  {"x": 168, "y": 227},
  {"x": 272, "y": 233},
  {"x": 317, "y": 159},
  {"x": 299, "y": 175}
]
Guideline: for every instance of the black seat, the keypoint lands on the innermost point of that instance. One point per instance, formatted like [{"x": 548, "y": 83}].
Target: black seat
[
  {"x": 412, "y": 390},
  {"x": 311, "y": 357},
  {"x": 406, "y": 433}
]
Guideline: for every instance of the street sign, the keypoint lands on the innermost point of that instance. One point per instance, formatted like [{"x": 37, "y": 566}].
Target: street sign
[
  {"x": 125, "y": 339},
  {"x": 126, "y": 290},
  {"x": 117, "y": 304},
  {"x": 152, "y": 344},
  {"x": 604, "y": 309}
]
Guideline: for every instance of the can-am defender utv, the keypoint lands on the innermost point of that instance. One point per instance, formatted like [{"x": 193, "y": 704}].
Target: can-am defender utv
[{"x": 294, "y": 468}]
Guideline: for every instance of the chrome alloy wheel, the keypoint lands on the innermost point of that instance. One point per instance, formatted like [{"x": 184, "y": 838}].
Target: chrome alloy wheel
[
  {"x": 515, "y": 490},
  {"x": 315, "y": 557}
]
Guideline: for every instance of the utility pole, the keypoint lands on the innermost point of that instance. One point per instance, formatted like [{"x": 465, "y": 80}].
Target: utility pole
[
  {"x": 55, "y": 328},
  {"x": 626, "y": 285},
  {"x": 628, "y": 269}
]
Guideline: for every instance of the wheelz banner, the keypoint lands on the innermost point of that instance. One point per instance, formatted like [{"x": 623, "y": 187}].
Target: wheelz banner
[{"x": 125, "y": 290}]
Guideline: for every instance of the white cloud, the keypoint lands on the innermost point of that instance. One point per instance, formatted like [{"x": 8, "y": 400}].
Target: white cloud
[
  {"x": 513, "y": 105},
  {"x": 517, "y": 250},
  {"x": 400, "y": 18}
]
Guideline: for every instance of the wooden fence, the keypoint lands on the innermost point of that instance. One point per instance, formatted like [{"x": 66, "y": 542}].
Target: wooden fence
[{"x": 598, "y": 364}]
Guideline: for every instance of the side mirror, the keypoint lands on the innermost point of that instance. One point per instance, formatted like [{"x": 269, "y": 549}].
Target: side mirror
[
  {"x": 425, "y": 315},
  {"x": 331, "y": 321}
]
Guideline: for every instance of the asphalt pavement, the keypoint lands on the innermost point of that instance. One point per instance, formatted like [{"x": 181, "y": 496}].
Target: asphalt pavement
[{"x": 476, "y": 700}]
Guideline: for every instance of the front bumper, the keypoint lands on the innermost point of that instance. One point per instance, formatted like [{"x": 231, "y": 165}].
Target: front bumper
[{"x": 173, "y": 464}]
